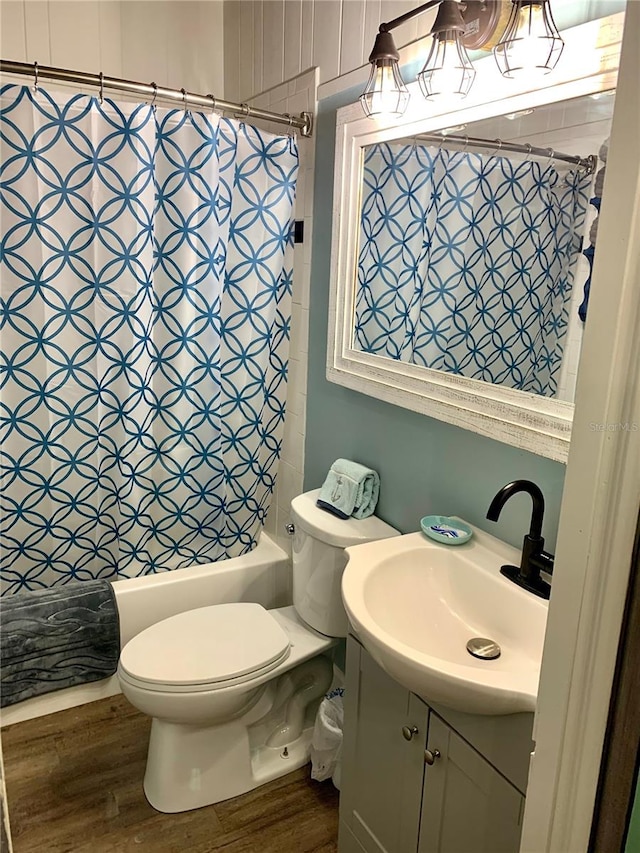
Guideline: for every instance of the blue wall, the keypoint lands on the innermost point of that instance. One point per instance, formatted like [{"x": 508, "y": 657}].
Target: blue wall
[
  {"x": 633, "y": 838},
  {"x": 425, "y": 466}
]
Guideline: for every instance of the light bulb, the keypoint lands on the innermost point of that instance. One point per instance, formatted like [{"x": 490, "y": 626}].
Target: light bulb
[
  {"x": 526, "y": 52},
  {"x": 448, "y": 76},
  {"x": 531, "y": 43},
  {"x": 386, "y": 95},
  {"x": 448, "y": 72}
]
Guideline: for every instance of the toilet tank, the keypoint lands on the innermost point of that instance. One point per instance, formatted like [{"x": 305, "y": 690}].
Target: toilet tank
[{"x": 319, "y": 560}]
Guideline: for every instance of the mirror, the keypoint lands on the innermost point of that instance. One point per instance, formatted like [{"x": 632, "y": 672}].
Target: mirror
[
  {"x": 469, "y": 256},
  {"x": 457, "y": 266}
]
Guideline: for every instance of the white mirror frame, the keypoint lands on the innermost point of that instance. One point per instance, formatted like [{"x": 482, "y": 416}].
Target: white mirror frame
[{"x": 541, "y": 425}]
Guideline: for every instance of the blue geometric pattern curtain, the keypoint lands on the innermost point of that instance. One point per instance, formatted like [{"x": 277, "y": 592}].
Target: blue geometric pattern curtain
[
  {"x": 146, "y": 288},
  {"x": 466, "y": 263}
]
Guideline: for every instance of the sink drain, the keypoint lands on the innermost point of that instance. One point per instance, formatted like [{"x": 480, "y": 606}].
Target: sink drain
[{"x": 481, "y": 647}]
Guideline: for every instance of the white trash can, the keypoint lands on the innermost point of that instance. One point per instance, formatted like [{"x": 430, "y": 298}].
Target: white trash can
[{"x": 326, "y": 742}]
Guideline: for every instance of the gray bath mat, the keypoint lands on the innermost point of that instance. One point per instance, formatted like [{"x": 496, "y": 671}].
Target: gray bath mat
[{"x": 56, "y": 638}]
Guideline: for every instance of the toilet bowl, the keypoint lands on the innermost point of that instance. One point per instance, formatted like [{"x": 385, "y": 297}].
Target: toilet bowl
[{"x": 233, "y": 688}]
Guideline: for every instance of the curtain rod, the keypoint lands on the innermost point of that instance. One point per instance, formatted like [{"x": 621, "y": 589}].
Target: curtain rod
[
  {"x": 303, "y": 122},
  {"x": 589, "y": 164}
]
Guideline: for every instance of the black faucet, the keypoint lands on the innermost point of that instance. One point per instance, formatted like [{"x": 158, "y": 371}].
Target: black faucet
[{"x": 534, "y": 558}]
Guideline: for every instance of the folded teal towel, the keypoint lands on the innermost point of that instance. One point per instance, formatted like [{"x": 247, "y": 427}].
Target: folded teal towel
[{"x": 350, "y": 490}]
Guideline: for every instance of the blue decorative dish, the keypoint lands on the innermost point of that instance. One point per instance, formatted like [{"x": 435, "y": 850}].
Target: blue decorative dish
[{"x": 448, "y": 531}]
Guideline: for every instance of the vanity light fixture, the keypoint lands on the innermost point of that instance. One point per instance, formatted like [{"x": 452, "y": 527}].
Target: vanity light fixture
[
  {"x": 448, "y": 71},
  {"x": 386, "y": 92},
  {"x": 530, "y": 43}
]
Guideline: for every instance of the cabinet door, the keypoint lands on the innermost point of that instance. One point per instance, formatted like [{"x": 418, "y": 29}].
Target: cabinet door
[
  {"x": 382, "y": 771},
  {"x": 467, "y": 806}
]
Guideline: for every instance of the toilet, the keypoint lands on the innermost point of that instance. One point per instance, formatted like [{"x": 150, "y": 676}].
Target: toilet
[{"x": 232, "y": 689}]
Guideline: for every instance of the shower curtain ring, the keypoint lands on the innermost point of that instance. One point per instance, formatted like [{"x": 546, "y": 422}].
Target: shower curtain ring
[
  {"x": 213, "y": 102},
  {"x": 154, "y": 86},
  {"x": 498, "y": 147},
  {"x": 35, "y": 76},
  {"x": 466, "y": 144},
  {"x": 552, "y": 154},
  {"x": 184, "y": 100},
  {"x": 101, "y": 90},
  {"x": 529, "y": 150}
]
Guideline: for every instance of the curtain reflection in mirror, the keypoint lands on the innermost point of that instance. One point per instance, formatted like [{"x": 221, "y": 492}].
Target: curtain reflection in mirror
[{"x": 466, "y": 262}]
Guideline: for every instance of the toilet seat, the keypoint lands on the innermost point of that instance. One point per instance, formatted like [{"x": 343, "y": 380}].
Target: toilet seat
[{"x": 205, "y": 649}]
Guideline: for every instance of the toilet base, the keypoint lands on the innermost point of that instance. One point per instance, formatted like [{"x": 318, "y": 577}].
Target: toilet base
[
  {"x": 195, "y": 769},
  {"x": 191, "y": 766}
]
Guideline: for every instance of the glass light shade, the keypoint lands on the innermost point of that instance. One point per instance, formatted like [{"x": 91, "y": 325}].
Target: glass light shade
[
  {"x": 448, "y": 72},
  {"x": 386, "y": 94},
  {"x": 531, "y": 43}
]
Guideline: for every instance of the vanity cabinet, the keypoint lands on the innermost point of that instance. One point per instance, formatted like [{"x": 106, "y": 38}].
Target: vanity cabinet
[{"x": 421, "y": 779}]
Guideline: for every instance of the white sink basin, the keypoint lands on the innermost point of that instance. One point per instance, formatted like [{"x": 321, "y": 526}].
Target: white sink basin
[{"x": 415, "y": 604}]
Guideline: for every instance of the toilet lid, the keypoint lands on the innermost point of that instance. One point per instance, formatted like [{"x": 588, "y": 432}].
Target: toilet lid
[{"x": 207, "y": 645}]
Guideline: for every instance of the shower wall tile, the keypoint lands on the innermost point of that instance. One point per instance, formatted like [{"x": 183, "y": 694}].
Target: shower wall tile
[
  {"x": 12, "y": 30},
  {"x": 296, "y": 402},
  {"x": 293, "y": 440},
  {"x": 290, "y": 484},
  {"x": 305, "y": 286},
  {"x": 296, "y": 318},
  {"x": 298, "y": 378},
  {"x": 301, "y": 280}
]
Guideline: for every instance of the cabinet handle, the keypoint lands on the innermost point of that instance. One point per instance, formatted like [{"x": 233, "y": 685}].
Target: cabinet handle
[
  {"x": 431, "y": 756},
  {"x": 408, "y": 733}
]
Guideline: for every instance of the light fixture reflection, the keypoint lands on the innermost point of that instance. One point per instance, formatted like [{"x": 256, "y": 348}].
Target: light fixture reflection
[{"x": 531, "y": 43}]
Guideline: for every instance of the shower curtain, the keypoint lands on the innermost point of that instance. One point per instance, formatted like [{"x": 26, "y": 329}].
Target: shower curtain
[
  {"x": 146, "y": 270},
  {"x": 466, "y": 262}
]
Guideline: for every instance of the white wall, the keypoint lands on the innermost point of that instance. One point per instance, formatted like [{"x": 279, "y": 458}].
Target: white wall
[
  {"x": 270, "y": 41},
  {"x": 176, "y": 43}
]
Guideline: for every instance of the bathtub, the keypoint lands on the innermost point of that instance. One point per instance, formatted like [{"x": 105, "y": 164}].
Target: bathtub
[{"x": 262, "y": 576}]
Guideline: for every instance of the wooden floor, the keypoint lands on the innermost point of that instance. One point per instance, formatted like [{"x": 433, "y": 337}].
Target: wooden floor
[{"x": 74, "y": 783}]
